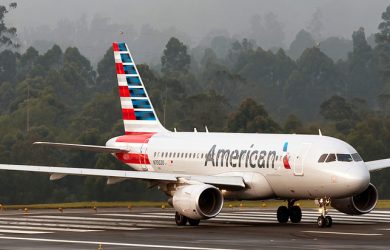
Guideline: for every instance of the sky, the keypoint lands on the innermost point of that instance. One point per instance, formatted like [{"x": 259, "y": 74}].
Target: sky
[{"x": 198, "y": 17}]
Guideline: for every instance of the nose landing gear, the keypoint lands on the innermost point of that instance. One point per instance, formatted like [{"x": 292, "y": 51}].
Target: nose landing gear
[
  {"x": 291, "y": 211},
  {"x": 324, "y": 220}
]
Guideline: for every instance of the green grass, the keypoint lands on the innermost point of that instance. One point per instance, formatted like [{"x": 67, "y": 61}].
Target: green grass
[{"x": 126, "y": 204}]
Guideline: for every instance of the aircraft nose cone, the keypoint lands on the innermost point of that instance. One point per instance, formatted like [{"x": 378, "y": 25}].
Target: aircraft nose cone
[{"x": 357, "y": 179}]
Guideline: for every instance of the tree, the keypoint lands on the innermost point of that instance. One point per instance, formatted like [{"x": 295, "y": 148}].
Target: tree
[
  {"x": 175, "y": 58},
  {"x": 7, "y": 66},
  {"x": 303, "y": 40},
  {"x": 106, "y": 72},
  {"x": 339, "y": 111},
  {"x": 362, "y": 78},
  {"x": 382, "y": 38},
  {"x": 7, "y": 34},
  {"x": 251, "y": 117}
]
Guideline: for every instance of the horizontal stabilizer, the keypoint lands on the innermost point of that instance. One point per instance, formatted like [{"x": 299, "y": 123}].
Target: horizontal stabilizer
[
  {"x": 119, "y": 175},
  {"x": 92, "y": 148}
]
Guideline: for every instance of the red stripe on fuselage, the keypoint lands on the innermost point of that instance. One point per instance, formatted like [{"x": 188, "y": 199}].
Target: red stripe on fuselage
[
  {"x": 128, "y": 114},
  {"x": 135, "y": 137},
  {"x": 119, "y": 68},
  {"x": 115, "y": 46},
  {"x": 131, "y": 158}
]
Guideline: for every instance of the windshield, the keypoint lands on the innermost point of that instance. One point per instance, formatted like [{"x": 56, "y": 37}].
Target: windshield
[
  {"x": 344, "y": 157},
  {"x": 340, "y": 157},
  {"x": 356, "y": 157}
]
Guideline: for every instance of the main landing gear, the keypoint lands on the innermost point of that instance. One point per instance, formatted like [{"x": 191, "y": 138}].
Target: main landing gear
[
  {"x": 182, "y": 220},
  {"x": 324, "y": 220},
  {"x": 292, "y": 212}
]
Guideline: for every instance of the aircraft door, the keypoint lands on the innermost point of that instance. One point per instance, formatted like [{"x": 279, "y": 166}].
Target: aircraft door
[
  {"x": 300, "y": 159},
  {"x": 143, "y": 156}
]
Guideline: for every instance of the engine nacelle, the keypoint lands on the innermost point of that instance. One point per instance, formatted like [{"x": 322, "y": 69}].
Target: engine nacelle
[
  {"x": 359, "y": 204},
  {"x": 198, "y": 201}
]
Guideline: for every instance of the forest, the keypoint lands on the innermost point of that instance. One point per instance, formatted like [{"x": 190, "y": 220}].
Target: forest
[{"x": 60, "y": 96}]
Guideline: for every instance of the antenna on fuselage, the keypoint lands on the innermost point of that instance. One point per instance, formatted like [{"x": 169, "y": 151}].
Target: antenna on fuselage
[
  {"x": 319, "y": 132},
  {"x": 207, "y": 130},
  {"x": 195, "y": 130},
  {"x": 174, "y": 129}
]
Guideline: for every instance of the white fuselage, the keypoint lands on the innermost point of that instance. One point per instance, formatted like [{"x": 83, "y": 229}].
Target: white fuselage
[{"x": 272, "y": 165}]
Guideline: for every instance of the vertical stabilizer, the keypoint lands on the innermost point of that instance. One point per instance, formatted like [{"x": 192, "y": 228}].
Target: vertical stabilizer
[{"x": 137, "y": 110}]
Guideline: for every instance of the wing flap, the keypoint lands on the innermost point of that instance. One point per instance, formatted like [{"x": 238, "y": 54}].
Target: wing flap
[
  {"x": 92, "y": 148},
  {"x": 220, "y": 181},
  {"x": 377, "y": 165}
]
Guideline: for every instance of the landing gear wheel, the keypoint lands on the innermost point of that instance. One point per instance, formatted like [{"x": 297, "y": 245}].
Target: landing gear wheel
[
  {"x": 180, "y": 220},
  {"x": 193, "y": 222},
  {"x": 295, "y": 214},
  {"x": 328, "y": 221},
  {"x": 282, "y": 214},
  {"x": 321, "y": 221}
]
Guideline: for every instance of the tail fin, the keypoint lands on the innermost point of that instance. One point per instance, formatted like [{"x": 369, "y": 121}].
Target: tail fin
[{"x": 137, "y": 110}]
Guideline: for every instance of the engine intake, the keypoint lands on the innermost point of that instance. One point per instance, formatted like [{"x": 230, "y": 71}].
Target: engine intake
[
  {"x": 198, "y": 201},
  {"x": 359, "y": 204}
]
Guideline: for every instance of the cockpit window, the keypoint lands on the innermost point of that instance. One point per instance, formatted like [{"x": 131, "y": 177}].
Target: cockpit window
[
  {"x": 322, "y": 158},
  {"x": 356, "y": 157},
  {"x": 331, "y": 157},
  {"x": 344, "y": 157}
]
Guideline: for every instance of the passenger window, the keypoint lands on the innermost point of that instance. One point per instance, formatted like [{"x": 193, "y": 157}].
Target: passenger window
[
  {"x": 322, "y": 158},
  {"x": 186, "y": 155},
  {"x": 170, "y": 155},
  {"x": 174, "y": 155},
  {"x": 331, "y": 157},
  {"x": 201, "y": 156},
  {"x": 344, "y": 157},
  {"x": 357, "y": 157}
]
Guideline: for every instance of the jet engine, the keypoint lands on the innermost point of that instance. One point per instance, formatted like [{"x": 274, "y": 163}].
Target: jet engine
[
  {"x": 359, "y": 204},
  {"x": 198, "y": 201}
]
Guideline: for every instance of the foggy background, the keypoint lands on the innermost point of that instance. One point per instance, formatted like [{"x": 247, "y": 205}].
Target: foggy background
[{"x": 147, "y": 25}]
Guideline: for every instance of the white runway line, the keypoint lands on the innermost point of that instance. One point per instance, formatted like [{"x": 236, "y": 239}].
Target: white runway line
[
  {"x": 111, "y": 243},
  {"x": 100, "y": 220},
  {"x": 22, "y": 231},
  {"x": 342, "y": 233},
  {"x": 2, "y": 227},
  {"x": 40, "y": 222}
]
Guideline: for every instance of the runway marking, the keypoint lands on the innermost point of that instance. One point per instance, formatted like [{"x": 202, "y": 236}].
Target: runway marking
[
  {"x": 94, "y": 220},
  {"x": 342, "y": 233},
  {"x": 30, "y": 222},
  {"x": 48, "y": 228},
  {"x": 111, "y": 243},
  {"x": 22, "y": 231}
]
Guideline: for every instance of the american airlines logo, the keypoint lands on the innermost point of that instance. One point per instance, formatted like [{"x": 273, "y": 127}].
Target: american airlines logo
[{"x": 240, "y": 158}]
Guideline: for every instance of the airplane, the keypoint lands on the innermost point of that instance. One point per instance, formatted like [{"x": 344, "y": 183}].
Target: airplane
[{"x": 199, "y": 170}]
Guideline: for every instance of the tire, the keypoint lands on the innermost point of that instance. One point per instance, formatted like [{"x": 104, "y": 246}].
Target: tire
[
  {"x": 193, "y": 222},
  {"x": 328, "y": 221},
  {"x": 180, "y": 220},
  {"x": 295, "y": 214},
  {"x": 282, "y": 214},
  {"x": 321, "y": 221}
]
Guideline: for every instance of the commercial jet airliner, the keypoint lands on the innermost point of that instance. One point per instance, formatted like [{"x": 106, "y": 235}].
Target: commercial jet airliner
[{"x": 199, "y": 170}]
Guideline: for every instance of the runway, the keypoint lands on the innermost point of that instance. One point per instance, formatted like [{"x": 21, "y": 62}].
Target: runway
[{"x": 151, "y": 228}]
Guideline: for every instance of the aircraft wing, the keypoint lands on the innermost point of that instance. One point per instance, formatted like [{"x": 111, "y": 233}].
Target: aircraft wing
[
  {"x": 113, "y": 175},
  {"x": 92, "y": 148},
  {"x": 377, "y": 165}
]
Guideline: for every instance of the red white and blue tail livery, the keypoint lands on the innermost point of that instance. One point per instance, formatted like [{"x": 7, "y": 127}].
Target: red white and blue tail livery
[
  {"x": 137, "y": 109},
  {"x": 198, "y": 170}
]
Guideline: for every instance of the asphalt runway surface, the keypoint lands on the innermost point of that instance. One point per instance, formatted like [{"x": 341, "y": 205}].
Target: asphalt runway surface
[{"x": 151, "y": 228}]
